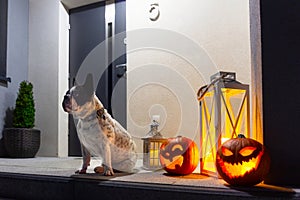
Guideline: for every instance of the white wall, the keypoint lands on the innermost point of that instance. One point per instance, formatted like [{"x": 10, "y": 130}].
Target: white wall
[
  {"x": 164, "y": 80},
  {"x": 17, "y": 54},
  {"x": 63, "y": 72},
  {"x": 48, "y": 74},
  {"x": 160, "y": 81}
]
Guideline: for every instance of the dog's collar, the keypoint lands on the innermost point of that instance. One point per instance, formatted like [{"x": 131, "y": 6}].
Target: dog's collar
[
  {"x": 99, "y": 114},
  {"x": 90, "y": 117}
]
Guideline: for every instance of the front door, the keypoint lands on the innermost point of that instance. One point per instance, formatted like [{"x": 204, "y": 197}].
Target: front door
[{"x": 89, "y": 26}]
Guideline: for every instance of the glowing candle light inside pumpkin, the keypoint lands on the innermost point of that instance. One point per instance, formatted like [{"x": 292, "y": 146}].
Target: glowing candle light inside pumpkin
[{"x": 175, "y": 160}]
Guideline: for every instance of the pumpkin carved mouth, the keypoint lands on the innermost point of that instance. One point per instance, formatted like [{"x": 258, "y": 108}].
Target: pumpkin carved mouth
[{"x": 240, "y": 169}]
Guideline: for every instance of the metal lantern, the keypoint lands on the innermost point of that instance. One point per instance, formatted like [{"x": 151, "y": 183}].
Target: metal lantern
[
  {"x": 224, "y": 113},
  {"x": 152, "y": 142}
]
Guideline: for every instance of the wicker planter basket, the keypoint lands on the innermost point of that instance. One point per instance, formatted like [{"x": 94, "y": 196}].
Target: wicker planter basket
[{"x": 21, "y": 142}]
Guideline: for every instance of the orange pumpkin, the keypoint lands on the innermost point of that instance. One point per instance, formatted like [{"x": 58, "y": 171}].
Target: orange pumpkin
[
  {"x": 242, "y": 161},
  {"x": 179, "y": 155}
]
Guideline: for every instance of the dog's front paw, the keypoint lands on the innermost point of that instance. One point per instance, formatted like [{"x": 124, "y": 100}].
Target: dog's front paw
[{"x": 108, "y": 171}]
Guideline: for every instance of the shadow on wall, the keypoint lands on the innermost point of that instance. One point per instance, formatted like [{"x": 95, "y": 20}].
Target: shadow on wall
[{"x": 7, "y": 124}]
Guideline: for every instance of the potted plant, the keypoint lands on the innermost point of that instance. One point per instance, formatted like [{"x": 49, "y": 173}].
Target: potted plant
[{"x": 23, "y": 141}]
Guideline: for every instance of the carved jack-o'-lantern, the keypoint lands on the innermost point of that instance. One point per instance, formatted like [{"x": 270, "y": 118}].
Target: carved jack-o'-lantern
[
  {"x": 242, "y": 161},
  {"x": 179, "y": 155}
]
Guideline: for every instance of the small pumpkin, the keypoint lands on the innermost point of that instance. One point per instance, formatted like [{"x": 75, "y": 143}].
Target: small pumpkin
[
  {"x": 179, "y": 155},
  {"x": 242, "y": 161}
]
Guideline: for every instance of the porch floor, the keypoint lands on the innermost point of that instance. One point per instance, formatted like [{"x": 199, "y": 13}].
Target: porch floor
[{"x": 54, "y": 178}]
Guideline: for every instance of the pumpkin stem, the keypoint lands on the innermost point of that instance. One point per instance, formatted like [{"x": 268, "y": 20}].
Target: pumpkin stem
[{"x": 241, "y": 136}]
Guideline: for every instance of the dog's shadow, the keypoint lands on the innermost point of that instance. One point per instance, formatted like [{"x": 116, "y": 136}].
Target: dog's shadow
[{"x": 97, "y": 176}]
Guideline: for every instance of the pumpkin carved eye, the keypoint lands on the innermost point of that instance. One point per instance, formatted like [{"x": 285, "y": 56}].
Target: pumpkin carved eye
[
  {"x": 226, "y": 152},
  {"x": 247, "y": 151},
  {"x": 177, "y": 147}
]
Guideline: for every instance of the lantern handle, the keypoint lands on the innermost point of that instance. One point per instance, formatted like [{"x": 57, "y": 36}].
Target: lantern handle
[{"x": 201, "y": 93}]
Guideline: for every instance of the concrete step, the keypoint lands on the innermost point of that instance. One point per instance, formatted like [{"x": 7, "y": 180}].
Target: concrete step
[
  {"x": 33, "y": 186},
  {"x": 54, "y": 178}
]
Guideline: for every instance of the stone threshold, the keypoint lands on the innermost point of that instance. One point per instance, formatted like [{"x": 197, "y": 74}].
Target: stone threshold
[{"x": 53, "y": 178}]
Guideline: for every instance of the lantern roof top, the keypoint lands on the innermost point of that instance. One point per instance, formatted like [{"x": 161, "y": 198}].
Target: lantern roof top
[{"x": 153, "y": 133}]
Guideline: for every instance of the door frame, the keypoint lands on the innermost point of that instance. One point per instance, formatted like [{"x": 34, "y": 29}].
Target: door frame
[{"x": 111, "y": 75}]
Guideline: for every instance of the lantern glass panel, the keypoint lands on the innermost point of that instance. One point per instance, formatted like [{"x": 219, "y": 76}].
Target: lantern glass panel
[
  {"x": 209, "y": 137},
  {"x": 154, "y": 154},
  {"x": 151, "y": 153},
  {"x": 234, "y": 113}
]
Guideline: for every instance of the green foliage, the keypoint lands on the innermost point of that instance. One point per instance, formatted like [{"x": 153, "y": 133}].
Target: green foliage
[{"x": 24, "y": 112}]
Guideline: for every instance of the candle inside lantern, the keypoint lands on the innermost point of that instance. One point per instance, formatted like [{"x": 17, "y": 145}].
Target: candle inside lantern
[{"x": 154, "y": 154}]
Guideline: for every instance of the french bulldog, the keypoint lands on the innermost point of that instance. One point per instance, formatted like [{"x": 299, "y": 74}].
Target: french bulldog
[{"x": 99, "y": 134}]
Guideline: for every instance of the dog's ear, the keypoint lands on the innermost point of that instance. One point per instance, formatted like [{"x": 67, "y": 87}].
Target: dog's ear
[
  {"x": 89, "y": 84},
  {"x": 74, "y": 82}
]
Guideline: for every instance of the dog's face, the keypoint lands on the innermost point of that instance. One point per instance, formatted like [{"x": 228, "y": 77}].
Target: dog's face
[{"x": 78, "y": 100}]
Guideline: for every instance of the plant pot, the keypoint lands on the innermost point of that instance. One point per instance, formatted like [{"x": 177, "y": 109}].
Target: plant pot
[{"x": 21, "y": 142}]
